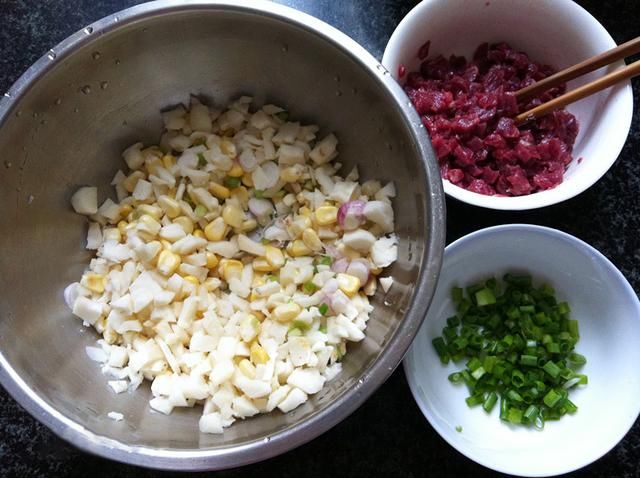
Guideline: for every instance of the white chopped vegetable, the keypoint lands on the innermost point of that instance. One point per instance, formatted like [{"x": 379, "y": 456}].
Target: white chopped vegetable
[
  {"x": 85, "y": 200},
  {"x": 115, "y": 416},
  {"x": 233, "y": 270}
]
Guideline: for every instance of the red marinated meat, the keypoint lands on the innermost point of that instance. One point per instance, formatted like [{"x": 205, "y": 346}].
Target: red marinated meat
[{"x": 468, "y": 109}]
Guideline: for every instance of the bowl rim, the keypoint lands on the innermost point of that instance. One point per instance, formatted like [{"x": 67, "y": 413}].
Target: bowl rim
[
  {"x": 543, "y": 198},
  {"x": 370, "y": 379},
  {"x": 524, "y": 229}
]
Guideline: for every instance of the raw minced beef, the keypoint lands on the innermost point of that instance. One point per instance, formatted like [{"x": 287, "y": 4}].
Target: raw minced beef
[{"x": 468, "y": 109}]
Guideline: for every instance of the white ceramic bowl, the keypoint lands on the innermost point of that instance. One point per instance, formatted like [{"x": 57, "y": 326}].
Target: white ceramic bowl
[
  {"x": 608, "y": 313},
  {"x": 556, "y": 32}
]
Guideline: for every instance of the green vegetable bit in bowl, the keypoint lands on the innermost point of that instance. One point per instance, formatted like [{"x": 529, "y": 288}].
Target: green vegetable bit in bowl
[{"x": 519, "y": 343}]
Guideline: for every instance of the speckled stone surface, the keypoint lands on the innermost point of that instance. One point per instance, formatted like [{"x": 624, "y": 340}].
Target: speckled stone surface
[{"x": 387, "y": 436}]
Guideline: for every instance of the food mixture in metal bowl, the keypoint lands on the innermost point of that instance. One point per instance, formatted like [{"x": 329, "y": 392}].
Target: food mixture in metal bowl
[{"x": 235, "y": 264}]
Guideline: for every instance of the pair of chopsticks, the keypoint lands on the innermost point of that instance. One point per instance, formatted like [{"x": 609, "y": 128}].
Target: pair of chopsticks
[{"x": 629, "y": 48}]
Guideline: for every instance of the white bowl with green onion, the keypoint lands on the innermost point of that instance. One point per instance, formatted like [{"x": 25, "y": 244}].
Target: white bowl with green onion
[{"x": 553, "y": 413}]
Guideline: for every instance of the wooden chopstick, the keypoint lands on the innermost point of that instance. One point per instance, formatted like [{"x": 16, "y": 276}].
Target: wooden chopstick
[
  {"x": 618, "y": 53},
  {"x": 606, "y": 81}
]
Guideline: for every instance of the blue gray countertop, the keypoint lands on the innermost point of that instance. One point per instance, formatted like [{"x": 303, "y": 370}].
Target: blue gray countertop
[{"x": 387, "y": 435}]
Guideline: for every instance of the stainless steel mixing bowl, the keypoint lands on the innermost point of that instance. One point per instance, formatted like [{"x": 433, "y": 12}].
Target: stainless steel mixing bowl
[{"x": 64, "y": 124}]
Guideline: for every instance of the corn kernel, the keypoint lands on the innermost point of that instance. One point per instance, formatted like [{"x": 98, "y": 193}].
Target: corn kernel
[
  {"x": 259, "y": 315},
  {"x": 230, "y": 268},
  {"x": 168, "y": 161},
  {"x": 129, "y": 183},
  {"x": 232, "y": 215},
  {"x": 258, "y": 354},
  {"x": 298, "y": 248},
  {"x": 228, "y": 148},
  {"x": 326, "y": 215},
  {"x": 215, "y": 230},
  {"x": 371, "y": 286},
  {"x": 286, "y": 312},
  {"x": 375, "y": 271},
  {"x": 292, "y": 174},
  {"x": 125, "y": 210},
  {"x": 94, "y": 282},
  {"x": 198, "y": 233},
  {"x": 192, "y": 279},
  {"x": 122, "y": 227},
  {"x": 298, "y": 226},
  {"x": 262, "y": 265},
  {"x": 219, "y": 191},
  {"x": 348, "y": 284},
  {"x": 112, "y": 234},
  {"x": 168, "y": 262},
  {"x": 247, "y": 368},
  {"x": 212, "y": 260},
  {"x": 311, "y": 239},
  {"x": 153, "y": 165},
  {"x": 185, "y": 223},
  {"x": 165, "y": 244},
  {"x": 274, "y": 256},
  {"x": 170, "y": 206},
  {"x": 149, "y": 210},
  {"x": 249, "y": 225},
  {"x": 236, "y": 171},
  {"x": 242, "y": 195},
  {"x": 305, "y": 211},
  {"x": 110, "y": 336},
  {"x": 247, "y": 180}
]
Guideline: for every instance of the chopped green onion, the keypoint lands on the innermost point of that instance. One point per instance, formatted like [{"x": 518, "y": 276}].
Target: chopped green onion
[
  {"x": 529, "y": 360},
  {"x": 458, "y": 428},
  {"x": 309, "y": 287},
  {"x": 282, "y": 115},
  {"x": 202, "y": 162},
  {"x": 325, "y": 261},
  {"x": 552, "y": 398},
  {"x": 232, "y": 182},
  {"x": 474, "y": 400},
  {"x": 485, "y": 297},
  {"x": 490, "y": 401},
  {"x": 323, "y": 309},
  {"x": 514, "y": 415},
  {"x": 577, "y": 359},
  {"x": 552, "y": 369},
  {"x": 200, "y": 210},
  {"x": 258, "y": 193}
]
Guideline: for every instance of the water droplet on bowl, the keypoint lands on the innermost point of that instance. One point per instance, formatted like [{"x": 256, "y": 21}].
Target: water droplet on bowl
[
  {"x": 43, "y": 121},
  {"x": 7, "y": 95},
  {"x": 18, "y": 114},
  {"x": 338, "y": 93},
  {"x": 95, "y": 55},
  {"x": 354, "y": 90},
  {"x": 285, "y": 48},
  {"x": 88, "y": 30},
  {"x": 51, "y": 55},
  {"x": 86, "y": 89},
  {"x": 76, "y": 109},
  {"x": 30, "y": 199},
  {"x": 7, "y": 164},
  {"x": 266, "y": 440},
  {"x": 117, "y": 61},
  {"x": 116, "y": 19},
  {"x": 104, "y": 85},
  {"x": 337, "y": 78},
  {"x": 57, "y": 101},
  {"x": 35, "y": 114}
]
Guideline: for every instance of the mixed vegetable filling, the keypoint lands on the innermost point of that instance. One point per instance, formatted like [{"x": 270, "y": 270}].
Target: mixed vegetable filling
[{"x": 235, "y": 264}]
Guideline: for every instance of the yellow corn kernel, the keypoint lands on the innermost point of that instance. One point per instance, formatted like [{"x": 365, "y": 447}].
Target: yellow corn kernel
[
  {"x": 236, "y": 171},
  {"x": 168, "y": 161},
  {"x": 165, "y": 244},
  {"x": 274, "y": 256},
  {"x": 298, "y": 248},
  {"x": 261, "y": 265},
  {"x": 215, "y": 230},
  {"x": 298, "y": 226},
  {"x": 94, "y": 282},
  {"x": 348, "y": 252},
  {"x": 232, "y": 215},
  {"x": 305, "y": 211},
  {"x": 212, "y": 260},
  {"x": 230, "y": 268},
  {"x": 286, "y": 312},
  {"x": 348, "y": 284},
  {"x": 129, "y": 183},
  {"x": 247, "y": 180},
  {"x": 249, "y": 225},
  {"x": 149, "y": 210},
  {"x": 326, "y": 215},
  {"x": 185, "y": 223},
  {"x": 291, "y": 174},
  {"x": 259, "y": 315},
  {"x": 170, "y": 206},
  {"x": 125, "y": 210},
  {"x": 219, "y": 191},
  {"x": 112, "y": 234},
  {"x": 375, "y": 271},
  {"x": 242, "y": 195},
  {"x": 258, "y": 354},
  {"x": 198, "y": 233},
  {"x": 153, "y": 165},
  {"x": 168, "y": 262},
  {"x": 194, "y": 280},
  {"x": 371, "y": 286},
  {"x": 211, "y": 283},
  {"x": 311, "y": 239},
  {"x": 247, "y": 368},
  {"x": 228, "y": 148},
  {"x": 122, "y": 227}
]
